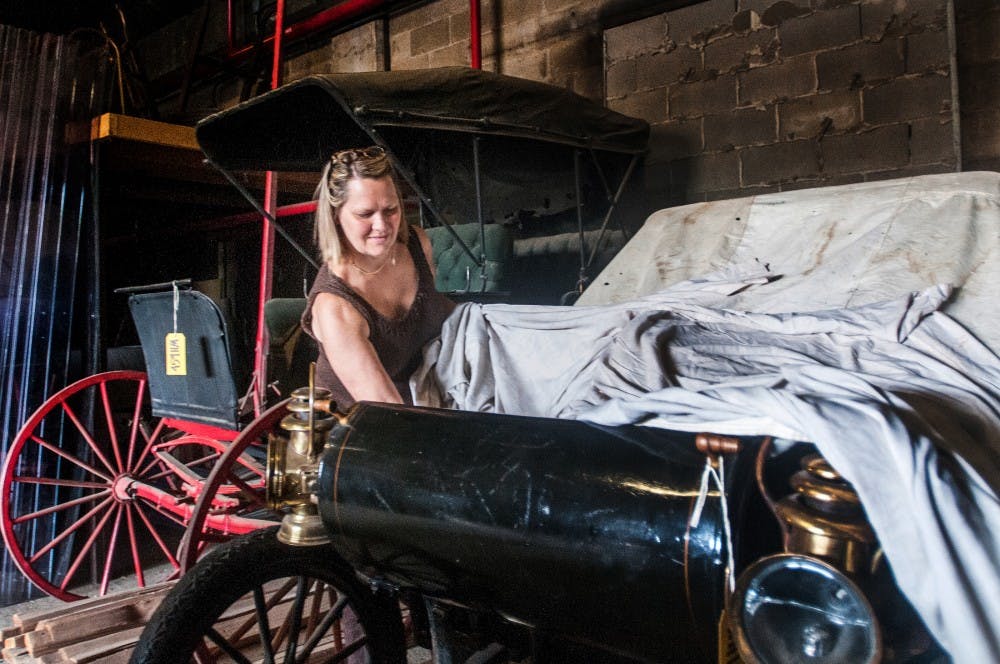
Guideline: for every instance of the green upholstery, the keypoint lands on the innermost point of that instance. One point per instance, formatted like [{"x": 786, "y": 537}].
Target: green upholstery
[
  {"x": 291, "y": 350},
  {"x": 457, "y": 272},
  {"x": 282, "y": 316}
]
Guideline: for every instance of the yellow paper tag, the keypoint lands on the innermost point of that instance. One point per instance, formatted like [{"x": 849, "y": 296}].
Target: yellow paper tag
[{"x": 176, "y": 352}]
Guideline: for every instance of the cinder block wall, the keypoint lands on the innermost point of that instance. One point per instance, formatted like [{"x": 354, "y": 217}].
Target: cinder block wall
[
  {"x": 744, "y": 96},
  {"x": 755, "y": 96},
  {"x": 557, "y": 41}
]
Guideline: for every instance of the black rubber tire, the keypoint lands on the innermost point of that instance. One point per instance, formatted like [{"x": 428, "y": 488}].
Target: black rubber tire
[{"x": 236, "y": 568}]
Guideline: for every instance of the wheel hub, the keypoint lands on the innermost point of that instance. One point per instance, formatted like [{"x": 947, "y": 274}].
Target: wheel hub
[{"x": 121, "y": 488}]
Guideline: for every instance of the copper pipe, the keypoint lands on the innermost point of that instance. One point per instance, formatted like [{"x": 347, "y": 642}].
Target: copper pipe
[
  {"x": 765, "y": 447},
  {"x": 712, "y": 444}
]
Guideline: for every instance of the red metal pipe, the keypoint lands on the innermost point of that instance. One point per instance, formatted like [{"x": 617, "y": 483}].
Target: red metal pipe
[
  {"x": 342, "y": 11},
  {"x": 279, "y": 28},
  {"x": 198, "y": 429},
  {"x": 307, "y": 207},
  {"x": 228, "y": 524},
  {"x": 267, "y": 238},
  {"x": 229, "y": 26},
  {"x": 475, "y": 47}
]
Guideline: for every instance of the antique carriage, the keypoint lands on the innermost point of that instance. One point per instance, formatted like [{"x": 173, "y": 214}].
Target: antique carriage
[{"x": 100, "y": 476}]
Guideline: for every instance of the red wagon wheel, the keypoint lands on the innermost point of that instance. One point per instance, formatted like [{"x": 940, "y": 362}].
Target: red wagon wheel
[
  {"x": 94, "y": 487},
  {"x": 211, "y": 523}
]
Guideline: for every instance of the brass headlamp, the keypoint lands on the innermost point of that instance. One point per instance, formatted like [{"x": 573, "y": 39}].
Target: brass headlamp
[
  {"x": 805, "y": 604},
  {"x": 824, "y": 519},
  {"x": 293, "y": 465}
]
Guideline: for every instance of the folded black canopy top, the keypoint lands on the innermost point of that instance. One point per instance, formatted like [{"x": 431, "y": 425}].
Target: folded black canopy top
[{"x": 297, "y": 126}]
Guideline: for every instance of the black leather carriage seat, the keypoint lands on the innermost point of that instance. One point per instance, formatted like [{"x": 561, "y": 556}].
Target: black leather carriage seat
[{"x": 206, "y": 392}]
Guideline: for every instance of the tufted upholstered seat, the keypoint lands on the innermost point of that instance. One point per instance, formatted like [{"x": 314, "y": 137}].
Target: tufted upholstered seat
[
  {"x": 291, "y": 350},
  {"x": 457, "y": 272}
]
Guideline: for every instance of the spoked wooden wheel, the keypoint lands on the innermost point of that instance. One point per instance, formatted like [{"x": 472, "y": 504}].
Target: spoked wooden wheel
[
  {"x": 254, "y": 599},
  {"x": 95, "y": 488},
  {"x": 213, "y": 522}
]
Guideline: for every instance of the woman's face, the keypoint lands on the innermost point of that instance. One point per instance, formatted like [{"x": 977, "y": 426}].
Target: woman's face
[{"x": 370, "y": 217}]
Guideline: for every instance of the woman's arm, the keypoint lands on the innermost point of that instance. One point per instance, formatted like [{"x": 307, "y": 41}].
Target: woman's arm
[{"x": 343, "y": 335}]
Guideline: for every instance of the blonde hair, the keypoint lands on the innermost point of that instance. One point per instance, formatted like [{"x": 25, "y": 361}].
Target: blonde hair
[{"x": 331, "y": 193}]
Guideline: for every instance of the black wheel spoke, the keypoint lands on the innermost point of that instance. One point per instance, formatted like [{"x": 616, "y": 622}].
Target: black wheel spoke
[
  {"x": 263, "y": 624},
  {"x": 301, "y": 590},
  {"x": 332, "y": 616},
  {"x": 349, "y": 650},
  {"x": 225, "y": 646},
  {"x": 239, "y": 602}
]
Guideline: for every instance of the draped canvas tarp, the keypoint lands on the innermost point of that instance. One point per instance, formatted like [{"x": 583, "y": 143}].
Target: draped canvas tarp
[
  {"x": 856, "y": 355},
  {"x": 828, "y": 248}
]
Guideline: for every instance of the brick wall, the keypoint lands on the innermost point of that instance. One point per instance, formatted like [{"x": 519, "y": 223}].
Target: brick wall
[{"x": 750, "y": 96}]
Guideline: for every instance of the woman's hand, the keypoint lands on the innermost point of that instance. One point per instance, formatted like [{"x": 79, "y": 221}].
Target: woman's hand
[{"x": 343, "y": 335}]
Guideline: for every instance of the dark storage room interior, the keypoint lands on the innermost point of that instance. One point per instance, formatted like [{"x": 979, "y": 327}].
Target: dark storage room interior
[{"x": 583, "y": 168}]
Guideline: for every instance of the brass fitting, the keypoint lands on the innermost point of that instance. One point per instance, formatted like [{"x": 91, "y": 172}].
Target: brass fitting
[
  {"x": 824, "y": 518},
  {"x": 293, "y": 465},
  {"x": 712, "y": 444}
]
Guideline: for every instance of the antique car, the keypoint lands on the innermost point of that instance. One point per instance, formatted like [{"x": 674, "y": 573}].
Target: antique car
[
  {"x": 749, "y": 440},
  {"x": 508, "y": 538}
]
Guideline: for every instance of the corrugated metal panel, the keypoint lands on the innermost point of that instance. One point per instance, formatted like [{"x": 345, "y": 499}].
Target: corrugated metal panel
[{"x": 45, "y": 83}]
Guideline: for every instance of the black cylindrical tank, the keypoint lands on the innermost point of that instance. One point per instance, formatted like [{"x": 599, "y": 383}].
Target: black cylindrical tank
[{"x": 570, "y": 527}]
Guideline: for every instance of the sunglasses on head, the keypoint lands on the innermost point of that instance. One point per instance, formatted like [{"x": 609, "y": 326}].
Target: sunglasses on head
[{"x": 348, "y": 157}]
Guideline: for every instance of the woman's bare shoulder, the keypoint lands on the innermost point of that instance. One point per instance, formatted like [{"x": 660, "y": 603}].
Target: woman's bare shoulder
[{"x": 332, "y": 313}]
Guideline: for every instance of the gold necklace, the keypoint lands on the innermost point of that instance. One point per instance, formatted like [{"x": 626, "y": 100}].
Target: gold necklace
[{"x": 370, "y": 273}]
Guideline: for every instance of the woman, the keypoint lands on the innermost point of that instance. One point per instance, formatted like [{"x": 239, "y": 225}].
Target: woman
[{"x": 373, "y": 305}]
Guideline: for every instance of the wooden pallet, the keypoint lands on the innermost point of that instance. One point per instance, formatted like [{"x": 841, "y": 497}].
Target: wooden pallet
[
  {"x": 103, "y": 629},
  {"x": 106, "y": 629}
]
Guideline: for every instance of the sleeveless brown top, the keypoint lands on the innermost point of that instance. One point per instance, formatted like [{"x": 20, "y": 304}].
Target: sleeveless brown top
[{"x": 398, "y": 342}]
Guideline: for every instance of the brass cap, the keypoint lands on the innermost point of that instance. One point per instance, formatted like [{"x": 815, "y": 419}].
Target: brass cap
[{"x": 303, "y": 527}]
